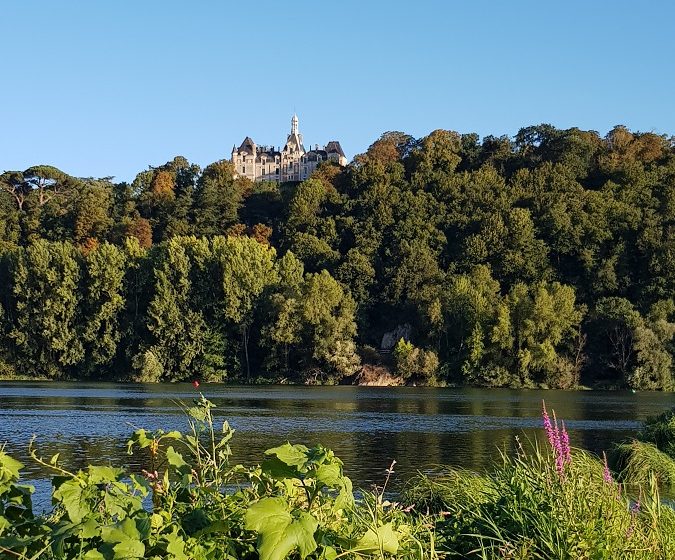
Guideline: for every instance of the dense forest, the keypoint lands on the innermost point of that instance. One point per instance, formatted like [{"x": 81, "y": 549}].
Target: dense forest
[{"x": 543, "y": 259}]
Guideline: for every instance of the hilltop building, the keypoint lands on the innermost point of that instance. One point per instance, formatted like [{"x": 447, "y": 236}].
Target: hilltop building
[{"x": 292, "y": 163}]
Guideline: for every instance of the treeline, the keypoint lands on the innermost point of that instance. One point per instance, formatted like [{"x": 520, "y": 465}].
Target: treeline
[{"x": 547, "y": 258}]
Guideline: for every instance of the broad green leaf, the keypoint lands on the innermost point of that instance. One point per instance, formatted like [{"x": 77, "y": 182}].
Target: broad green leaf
[
  {"x": 140, "y": 484},
  {"x": 329, "y": 474},
  {"x": 104, "y": 475},
  {"x": 9, "y": 468},
  {"x": 345, "y": 499},
  {"x": 93, "y": 555},
  {"x": 143, "y": 525},
  {"x": 382, "y": 540},
  {"x": 175, "y": 459},
  {"x": 175, "y": 546},
  {"x": 69, "y": 494},
  {"x": 278, "y": 532},
  {"x": 329, "y": 553},
  {"x": 129, "y": 549},
  {"x": 123, "y": 531},
  {"x": 175, "y": 434},
  {"x": 89, "y": 529},
  {"x": 292, "y": 455},
  {"x": 278, "y": 469}
]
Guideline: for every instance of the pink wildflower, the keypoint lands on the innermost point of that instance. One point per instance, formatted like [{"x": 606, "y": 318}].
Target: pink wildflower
[
  {"x": 565, "y": 444},
  {"x": 606, "y": 475},
  {"x": 548, "y": 427},
  {"x": 558, "y": 439}
]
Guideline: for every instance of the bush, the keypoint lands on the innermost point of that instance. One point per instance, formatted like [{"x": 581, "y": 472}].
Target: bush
[{"x": 411, "y": 362}]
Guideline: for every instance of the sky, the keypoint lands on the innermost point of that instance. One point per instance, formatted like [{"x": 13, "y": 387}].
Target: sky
[{"x": 108, "y": 88}]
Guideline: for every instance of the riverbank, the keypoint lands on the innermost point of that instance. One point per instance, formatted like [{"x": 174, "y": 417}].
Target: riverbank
[
  {"x": 548, "y": 502},
  {"x": 369, "y": 375}
]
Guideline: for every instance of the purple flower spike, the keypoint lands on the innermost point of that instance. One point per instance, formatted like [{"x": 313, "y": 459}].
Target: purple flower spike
[
  {"x": 548, "y": 427},
  {"x": 558, "y": 439},
  {"x": 606, "y": 475},
  {"x": 565, "y": 444}
]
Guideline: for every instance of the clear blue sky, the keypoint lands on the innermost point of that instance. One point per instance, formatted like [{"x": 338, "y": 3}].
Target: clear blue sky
[{"x": 101, "y": 88}]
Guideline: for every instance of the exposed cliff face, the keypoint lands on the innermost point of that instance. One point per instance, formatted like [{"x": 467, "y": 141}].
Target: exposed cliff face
[{"x": 390, "y": 338}]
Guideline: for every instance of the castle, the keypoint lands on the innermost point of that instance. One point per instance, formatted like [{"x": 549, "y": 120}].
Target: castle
[{"x": 292, "y": 163}]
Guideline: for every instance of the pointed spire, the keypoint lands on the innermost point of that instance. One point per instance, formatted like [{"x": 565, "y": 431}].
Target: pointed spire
[{"x": 294, "y": 124}]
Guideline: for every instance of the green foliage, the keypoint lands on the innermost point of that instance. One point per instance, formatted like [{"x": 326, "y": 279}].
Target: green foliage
[
  {"x": 640, "y": 462},
  {"x": 525, "y": 508},
  {"x": 543, "y": 259},
  {"x": 193, "y": 503},
  {"x": 45, "y": 300},
  {"x": 298, "y": 502},
  {"x": 660, "y": 430},
  {"x": 414, "y": 363}
]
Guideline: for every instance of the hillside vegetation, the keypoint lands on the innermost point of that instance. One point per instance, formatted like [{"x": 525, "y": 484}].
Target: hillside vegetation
[{"x": 543, "y": 259}]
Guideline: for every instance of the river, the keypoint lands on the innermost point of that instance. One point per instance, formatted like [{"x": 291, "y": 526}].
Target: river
[{"x": 367, "y": 427}]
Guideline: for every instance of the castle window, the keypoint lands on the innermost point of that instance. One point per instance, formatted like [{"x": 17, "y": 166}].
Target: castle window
[
  {"x": 243, "y": 159},
  {"x": 243, "y": 169}
]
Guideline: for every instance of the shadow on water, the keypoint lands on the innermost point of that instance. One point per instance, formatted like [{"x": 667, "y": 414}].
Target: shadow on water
[{"x": 367, "y": 427}]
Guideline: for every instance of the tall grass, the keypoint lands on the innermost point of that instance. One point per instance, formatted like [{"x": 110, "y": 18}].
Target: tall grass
[
  {"x": 639, "y": 461},
  {"x": 528, "y": 507}
]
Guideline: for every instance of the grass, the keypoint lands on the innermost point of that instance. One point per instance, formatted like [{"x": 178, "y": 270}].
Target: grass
[{"x": 525, "y": 509}]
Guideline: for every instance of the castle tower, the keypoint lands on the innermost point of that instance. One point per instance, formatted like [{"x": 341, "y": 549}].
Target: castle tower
[{"x": 294, "y": 124}]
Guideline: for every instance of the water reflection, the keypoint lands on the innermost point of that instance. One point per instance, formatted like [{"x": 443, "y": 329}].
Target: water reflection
[{"x": 367, "y": 427}]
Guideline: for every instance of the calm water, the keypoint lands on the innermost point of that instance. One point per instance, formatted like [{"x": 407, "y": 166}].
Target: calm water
[{"x": 367, "y": 427}]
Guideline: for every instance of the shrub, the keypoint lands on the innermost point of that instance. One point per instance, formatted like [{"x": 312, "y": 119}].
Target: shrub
[{"x": 411, "y": 362}]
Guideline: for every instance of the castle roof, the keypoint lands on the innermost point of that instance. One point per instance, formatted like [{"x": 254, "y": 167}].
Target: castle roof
[
  {"x": 294, "y": 140},
  {"x": 333, "y": 147},
  {"x": 313, "y": 155},
  {"x": 247, "y": 145}
]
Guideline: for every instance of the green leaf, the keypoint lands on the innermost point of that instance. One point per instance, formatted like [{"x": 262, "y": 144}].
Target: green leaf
[
  {"x": 69, "y": 494},
  {"x": 175, "y": 434},
  {"x": 291, "y": 455},
  {"x": 93, "y": 555},
  {"x": 129, "y": 549},
  {"x": 175, "y": 459},
  {"x": 9, "y": 469},
  {"x": 143, "y": 525},
  {"x": 140, "y": 438},
  {"x": 329, "y": 553},
  {"x": 330, "y": 474},
  {"x": 123, "y": 531},
  {"x": 382, "y": 540},
  {"x": 104, "y": 475},
  {"x": 176, "y": 546},
  {"x": 278, "y": 532},
  {"x": 89, "y": 529},
  {"x": 278, "y": 469}
]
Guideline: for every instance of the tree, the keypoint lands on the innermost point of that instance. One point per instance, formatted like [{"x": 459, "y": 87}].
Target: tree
[
  {"x": 45, "y": 279},
  {"x": 101, "y": 306},
  {"x": 247, "y": 270},
  {"x": 218, "y": 198},
  {"x": 535, "y": 326},
  {"x": 327, "y": 314},
  {"x": 176, "y": 329}
]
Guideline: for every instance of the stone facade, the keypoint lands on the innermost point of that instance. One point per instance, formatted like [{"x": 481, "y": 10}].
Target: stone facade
[{"x": 292, "y": 163}]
